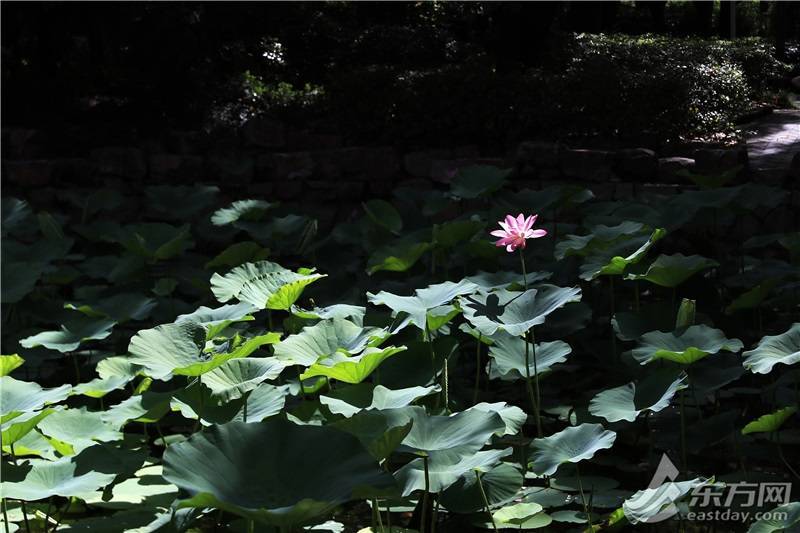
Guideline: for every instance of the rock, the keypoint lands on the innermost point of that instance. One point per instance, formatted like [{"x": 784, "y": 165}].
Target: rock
[
  {"x": 29, "y": 173},
  {"x": 230, "y": 167},
  {"x": 120, "y": 162},
  {"x": 670, "y": 168},
  {"x": 175, "y": 167},
  {"x": 532, "y": 157},
  {"x": 285, "y": 166},
  {"x": 589, "y": 165},
  {"x": 264, "y": 132},
  {"x": 716, "y": 160},
  {"x": 637, "y": 164}
]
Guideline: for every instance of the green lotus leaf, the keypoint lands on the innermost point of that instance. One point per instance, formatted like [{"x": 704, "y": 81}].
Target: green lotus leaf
[
  {"x": 515, "y": 312},
  {"x": 180, "y": 202},
  {"x": 244, "y": 210},
  {"x": 146, "y": 487},
  {"x": 351, "y": 368},
  {"x": 438, "y": 317},
  {"x": 138, "y": 520},
  {"x": 17, "y": 427},
  {"x": 771, "y": 422},
  {"x": 15, "y": 213},
  {"x": 774, "y": 349},
  {"x": 216, "y": 320},
  {"x": 508, "y": 356},
  {"x": 118, "y": 307},
  {"x": 351, "y": 400},
  {"x": 380, "y": 431},
  {"x": 672, "y": 270},
  {"x": 147, "y": 407},
  {"x": 24, "y": 397},
  {"x": 513, "y": 417},
  {"x": 8, "y": 363},
  {"x": 71, "y": 335},
  {"x": 398, "y": 257},
  {"x": 37, "y": 479},
  {"x": 323, "y": 340},
  {"x": 384, "y": 215},
  {"x": 537, "y": 521},
  {"x": 99, "y": 387},
  {"x": 614, "y": 260},
  {"x": 782, "y": 518},
  {"x": 19, "y": 279},
  {"x": 236, "y": 377},
  {"x": 31, "y": 443},
  {"x": 455, "y": 233},
  {"x": 424, "y": 300},
  {"x": 179, "y": 349},
  {"x": 465, "y": 432},
  {"x": 155, "y": 241},
  {"x": 273, "y": 470},
  {"x": 517, "y": 514},
  {"x": 446, "y": 467},
  {"x": 572, "y": 445},
  {"x": 547, "y": 497},
  {"x": 656, "y": 504},
  {"x": 490, "y": 281},
  {"x": 683, "y": 346},
  {"x": 478, "y": 180},
  {"x": 117, "y": 366},
  {"x": 78, "y": 429},
  {"x": 599, "y": 237},
  {"x": 501, "y": 485},
  {"x": 262, "y": 402},
  {"x": 630, "y": 325},
  {"x": 353, "y": 312},
  {"x": 653, "y": 393},
  {"x": 752, "y": 298},
  {"x": 263, "y": 284}
]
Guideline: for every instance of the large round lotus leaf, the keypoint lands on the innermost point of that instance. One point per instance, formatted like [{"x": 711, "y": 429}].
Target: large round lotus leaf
[
  {"x": 416, "y": 366},
  {"x": 71, "y": 335},
  {"x": 99, "y": 387},
  {"x": 274, "y": 472},
  {"x": 117, "y": 366},
  {"x": 180, "y": 202},
  {"x": 216, "y": 320},
  {"x": 630, "y": 325},
  {"x": 37, "y": 479},
  {"x": 247, "y": 210},
  {"x": 32, "y": 443},
  {"x": 424, "y": 300},
  {"x": 351, "y": 368},
  {"x": 19, "y": 425},
  {"x": 770, "y": 422},
  {"x": 465, "y": 432},
  {"x": 146, "y": 407},
  {"x": 657, "y": 504},
  {"x": 18, "y": 279},
  {"x": 237, "y": 254},
  {"x": 672, "y": 270},
  {"x": 397, "y": 257},
  {"x": 490, "y": 281},
  {"x": 613, "y": 261},
  {"x": 351, "y": 400},
  {"x": 384, "y": 215},
  {"x": 8, "y": 363},
  {"x": 353, "y": 312},
  {"x": 144, "y": 487},
  {"x": 263, "y": 284},
  {"x": 138, "y": 520},
  {"x": 323, "y": 340},
  {"x": 234, "y": 378},
  {"x": 600, "y": 236},
  {"x": 572, "y": 445},
  {"x": 179, "y": 349},
  {"x": 478, "y": 180},
  {"x": 445, "y": 467},
  {"x": 513, "y": 417},
  {"x": 381, "y": 432},
  {"x": 515, "y": 312},
  {"x": 774, "y": 349},
  {"x": 783, "y": 518},
  {"x": 684, "y": 346},
  {"x": 516, "y": 514},
  {"x": 119, "y": 307},
  {"x": 78, "y": 429},
  {"x": 23, "y": 396},
  {"x": 628, "y": 401},
  {"x": 501, "y": 484},
  {"x": 508, "y": 356},
  {"x": 547, "y": 497},
  {"x": 155, "y": 240},
  {"x": 262, "y": 402}
]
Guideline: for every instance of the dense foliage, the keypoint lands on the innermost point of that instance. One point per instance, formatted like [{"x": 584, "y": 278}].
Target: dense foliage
[{"x": 166, "y": 375}]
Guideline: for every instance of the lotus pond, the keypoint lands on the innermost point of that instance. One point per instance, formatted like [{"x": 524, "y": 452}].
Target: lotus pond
[{"x": 183, "y": 360}]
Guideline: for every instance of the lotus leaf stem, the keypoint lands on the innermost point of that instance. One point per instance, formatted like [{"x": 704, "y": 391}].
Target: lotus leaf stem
[{"x": 485, "y": 499}]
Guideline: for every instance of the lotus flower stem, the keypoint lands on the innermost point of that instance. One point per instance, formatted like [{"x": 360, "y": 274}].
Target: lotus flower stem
[
  {"x": 76, "y": 367},
  {"x": 683, "y": 432},
  {"x": 477, "y": 369},
  {"x": 583, "y": 497},
  {"x": 524, "y": 272},
  {"x": 376, "y": 513},
  {"x": 435, "y": 519},
  {"x": 423, "y": 526},
  {"x": 611, "y": 315},
  {"x": 22, "y": 502},
  {"x": 485, "y": 499},
  {"x": 388, "y": 516},
  {"x": 300, "y": 382},
  {"x": 251, "y": 526},
  {"x": 5, "y": 515}
]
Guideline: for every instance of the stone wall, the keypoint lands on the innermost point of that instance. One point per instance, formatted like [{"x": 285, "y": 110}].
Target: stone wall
[{"x": 266, "y": 158}]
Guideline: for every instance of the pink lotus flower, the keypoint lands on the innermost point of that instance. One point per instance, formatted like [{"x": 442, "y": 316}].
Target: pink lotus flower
[{"x": 516, "y": 231}]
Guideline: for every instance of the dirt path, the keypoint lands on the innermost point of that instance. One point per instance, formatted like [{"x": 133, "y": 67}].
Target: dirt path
[{"x": 774, "y": 142}]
